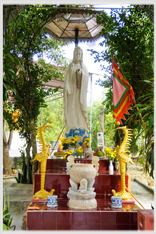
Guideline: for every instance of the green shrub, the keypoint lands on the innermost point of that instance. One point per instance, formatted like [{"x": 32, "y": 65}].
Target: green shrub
[
  {"x": 22, "y": 176},
  {"x": 7, "y": 219}
]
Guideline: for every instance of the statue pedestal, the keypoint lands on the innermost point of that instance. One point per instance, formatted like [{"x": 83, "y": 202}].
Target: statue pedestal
[
  {"x": 78, "y": 200},
  {"x": 81, "y": 133}
]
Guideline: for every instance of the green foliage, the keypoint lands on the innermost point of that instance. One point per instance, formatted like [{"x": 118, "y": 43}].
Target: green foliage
[
  {"x": 25, "y": 37},
  {"x": 7, "y": 218},
  {"x": 147, "y": 111},
  {"x": 130, "y": 34},
  {"x": 95, "y": 122},
  {"x": 22, "y": 176},
  {"x": 108, "y": 101},
  {"x": 109, "y": 130},
  {"x": 53, "y": 111},
  {"x": 129, "y": 40}
]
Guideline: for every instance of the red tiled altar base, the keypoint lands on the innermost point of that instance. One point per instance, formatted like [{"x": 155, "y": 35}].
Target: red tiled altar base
[
  {"x": 64, "y": 218},
  {"x": 57, "y": 164},
  {"x": 104, "y": 183}
]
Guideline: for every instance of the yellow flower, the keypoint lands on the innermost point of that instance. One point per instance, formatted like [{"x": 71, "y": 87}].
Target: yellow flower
[
  {"x": 66, "y": 141},
  {"x": 110, "y": 154},
  {"x": 76, "y": 138},
  {"x": 50, "y": 121},
  {"x": 62, "y": 139},
  {"x": 80, "y": 149},
  {"x": 87, "y": 139},
  {"x": 65, "y": 155},
  {"x": 87, "y": 144},
  {"x": 108, "y": 150}
]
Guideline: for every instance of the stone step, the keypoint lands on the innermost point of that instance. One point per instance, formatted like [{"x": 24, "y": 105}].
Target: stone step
[
  {"x": 20, "y": 189},
  {"x": 19, "y": 203}
]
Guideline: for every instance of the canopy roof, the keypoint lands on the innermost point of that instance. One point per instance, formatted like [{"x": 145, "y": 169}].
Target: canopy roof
[{"x": 71, "y": 23}]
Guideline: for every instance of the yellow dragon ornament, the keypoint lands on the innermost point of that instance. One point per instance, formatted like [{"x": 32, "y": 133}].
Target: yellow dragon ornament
[
  {"x": 123, "y": 157},
  {"x": 42, "y": 158}
]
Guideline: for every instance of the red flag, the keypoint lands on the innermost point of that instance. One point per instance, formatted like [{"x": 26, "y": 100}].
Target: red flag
[{"x": 123, "y": 94}]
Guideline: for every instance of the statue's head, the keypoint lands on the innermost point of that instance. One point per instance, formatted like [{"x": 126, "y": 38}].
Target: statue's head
[{"x": 78, "y": 54}]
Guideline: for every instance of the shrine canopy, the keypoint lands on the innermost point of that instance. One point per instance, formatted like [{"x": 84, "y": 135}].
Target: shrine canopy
[{"x": 74, "y": 24}]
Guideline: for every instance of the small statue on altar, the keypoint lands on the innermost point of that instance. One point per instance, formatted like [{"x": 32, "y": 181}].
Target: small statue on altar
[
  {"x": 75, "y": 96},
  {"x": 83, "y": 186}
]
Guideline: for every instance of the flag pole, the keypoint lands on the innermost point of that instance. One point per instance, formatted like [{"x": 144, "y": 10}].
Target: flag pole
[{"x": 117, "y": 59}]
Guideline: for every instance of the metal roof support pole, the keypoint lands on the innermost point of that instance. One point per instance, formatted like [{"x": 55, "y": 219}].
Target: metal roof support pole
[
  {"x": 4, "y": 32},
  {"x": 76, "y": 37},
  {"x": 90, "y": 107},
  {"x": 41, "y": 114},
  {"x": 102, "y": 124}
]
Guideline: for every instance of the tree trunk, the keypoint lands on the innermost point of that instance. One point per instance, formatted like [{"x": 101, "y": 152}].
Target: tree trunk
[
  {"x": 33, "y": 143},
  {"x": 6, "y": 159},
  {"x": 27, "y": 161}
]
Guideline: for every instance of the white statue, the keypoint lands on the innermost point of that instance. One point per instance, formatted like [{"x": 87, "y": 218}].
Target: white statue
[{"x": 75, "y": 93}]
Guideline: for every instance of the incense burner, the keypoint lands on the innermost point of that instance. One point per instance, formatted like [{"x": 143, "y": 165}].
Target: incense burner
[{"x": 83, "y": 174}]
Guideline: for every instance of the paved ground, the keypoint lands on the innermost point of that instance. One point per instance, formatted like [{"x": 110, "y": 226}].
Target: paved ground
[
  {"x": 144, "y": 196},
  {"x": 21, "y": 197}
]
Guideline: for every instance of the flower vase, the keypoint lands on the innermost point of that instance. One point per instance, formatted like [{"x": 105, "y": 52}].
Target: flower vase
[{"x": 111, "y": 168}]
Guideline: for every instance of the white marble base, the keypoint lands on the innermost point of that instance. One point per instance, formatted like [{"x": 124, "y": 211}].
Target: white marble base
[
  {"x": 82, "y": 204},
  {"x": 78, "y": 200}
]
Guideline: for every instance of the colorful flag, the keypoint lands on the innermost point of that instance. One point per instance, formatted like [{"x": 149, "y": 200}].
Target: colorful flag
[{"x": 123, "y": 94}]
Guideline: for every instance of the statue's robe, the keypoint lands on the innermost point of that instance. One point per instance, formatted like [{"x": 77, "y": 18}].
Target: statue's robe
[{"x": 75, "y": 101}]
